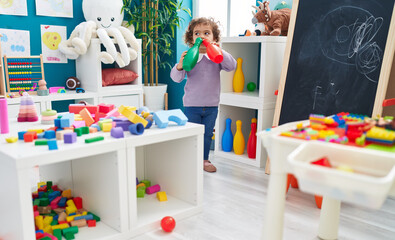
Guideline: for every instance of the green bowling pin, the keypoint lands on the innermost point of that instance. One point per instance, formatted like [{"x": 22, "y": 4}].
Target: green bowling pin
[{"x": 192, "y": 56}]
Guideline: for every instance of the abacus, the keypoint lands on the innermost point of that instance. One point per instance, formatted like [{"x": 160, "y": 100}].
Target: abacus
[{"x": 23, "y": 73}]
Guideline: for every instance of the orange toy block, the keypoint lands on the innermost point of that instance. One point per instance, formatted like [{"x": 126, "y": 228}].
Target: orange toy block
[
  {"x": 161, "y": 196},
  {"x": 133, "y": 117},
  {"x": 29, "y": 136},
  {"x": 86, "y": 116},
  {"x": 60, "y": 134},
  {"x": 66, "y": 193},
  {"x": 76, "y": 108}
]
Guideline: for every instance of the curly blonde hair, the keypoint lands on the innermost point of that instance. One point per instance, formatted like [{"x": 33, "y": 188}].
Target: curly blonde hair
[{"x": 188, "y": 37}]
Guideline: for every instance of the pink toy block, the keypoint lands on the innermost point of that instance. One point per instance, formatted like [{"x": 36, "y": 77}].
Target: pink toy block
[
  {"x": 152, "y": 189},
  {"x": 78, "y": 124},
  {"x": 4, "y": 128},
  {"x": 105, "y": 108},
  {"x": 87, "y": 117},
  {"x": 76, "y": 108},
  {"x": 112, "y": 113},
  {"x": 55, "y": 89},
  {"x": 36, "y": 213}
]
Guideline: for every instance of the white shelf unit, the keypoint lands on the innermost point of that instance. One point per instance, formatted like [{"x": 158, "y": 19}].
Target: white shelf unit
[
  {"x": 89, "y": 71},
  {"x": 104, "y": 175},
  {"x": 262, "y": 62}
]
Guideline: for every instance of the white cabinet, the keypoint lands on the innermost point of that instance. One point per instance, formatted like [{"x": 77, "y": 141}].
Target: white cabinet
[
  {"x": 262, "y": 62},
  {"x": 89, "y": 71}
]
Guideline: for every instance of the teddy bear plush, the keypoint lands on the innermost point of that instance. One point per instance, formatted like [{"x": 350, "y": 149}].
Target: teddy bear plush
[{"x": 270, "y": 22}]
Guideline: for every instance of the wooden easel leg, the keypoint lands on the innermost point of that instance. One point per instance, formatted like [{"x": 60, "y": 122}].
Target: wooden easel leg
[
  {"x": 166, "y": 102},
  {"x": 267, "y": 166}
]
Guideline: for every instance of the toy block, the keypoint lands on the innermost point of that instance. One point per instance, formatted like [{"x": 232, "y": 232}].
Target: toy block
[
  {"x": 104, "y": 121},
  {"x": 137, "y": 181},
  {"x": 94, "y": 139},
  {"x": 45, "y": 238},
  {"x": 146, "y": 182},
  {"x": 52, "y": 145},
  {"x": 44, "y": 202},
  {"x": 91, "y": 223},
  {"x": 99, "y": 116},
  {"x": 71, "y": 216},
  {"x": 85, "y": 130},
  {"x": 49, "y": 134},
  {"x": 21, "y": 134},
  {"x": 97, "y": 218},
  {"x": 78, "y": 124},
  {"x": 71, "y": 206},
  {"x": 40, "y": 135},
  {"x": 11, "y": 139},
  {"x": 117, "y": 132},
  {"x": 36, "y": 213},
  {"x": 152, "y": 189},
  {"x": 78, "y": 131},
  {"x": 67, "y": 120},
  {"x": 49, "y": 236},
  {"x": 76, "y": 108},
  {"x": 107, "y": 127},
  {"x": 86, "y": 217},
  {"x": 112, "y": 113},
  {"x": 141, "y": 192},
  {"x": 47, "y": 220},
  {"x": 86, "y": 116},
  {"x": 140, "y": 185},
  {"x": 96, "y": 126},
  {"x": 105, "y": 108},
  {"x": 70, "y": 230},
  {"x": 131, "y": 115},
  {"x": 29, "y": 136},
  {"x": 162, "y": 118},
  {"x": 70, "y": 137},
  {"x": 78, "y": 202},
  {"x": 92, "y": 130},
  {"x": 78, "y": 223},
  {"x": 57, "y": 233},
  {"x": 44, "y": 210},
  {"x": 66, "y": 193},
  {"x": 39, "y": 222},
  {"x": 136, "y": 129},
  {"x": 162, "y": 197},
  {"x": 54, "y": 195},
  {"x": 39, "y": 234},
  {"x": 60, "y": 134},
  {"x": 123, "y": 123},
  {"x": 62, "y": 216},
  {"x": 36, "y": 130},
  {"x": 149, "y": 123},
  {"x": 60, "y": 226}
]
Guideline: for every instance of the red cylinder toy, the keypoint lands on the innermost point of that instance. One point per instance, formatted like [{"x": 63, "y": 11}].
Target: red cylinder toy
[{"x": 213, "y": 52}]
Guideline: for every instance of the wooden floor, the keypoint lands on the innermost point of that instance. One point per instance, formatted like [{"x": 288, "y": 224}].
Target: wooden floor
[{"x": 234, "y": 205}]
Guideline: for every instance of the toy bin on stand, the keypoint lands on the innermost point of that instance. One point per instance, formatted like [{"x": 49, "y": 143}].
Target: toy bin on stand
[{"x": 368, "y": 185}]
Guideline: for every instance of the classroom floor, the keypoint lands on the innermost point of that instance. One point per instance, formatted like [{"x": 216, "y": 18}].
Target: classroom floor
[{"x": 234, "y": 204}]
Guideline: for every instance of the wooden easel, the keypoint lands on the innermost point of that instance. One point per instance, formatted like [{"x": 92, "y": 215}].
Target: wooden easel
[{"x": 386, "y": 83}]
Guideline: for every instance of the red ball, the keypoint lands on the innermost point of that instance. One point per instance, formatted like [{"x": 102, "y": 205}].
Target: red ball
[{"x": 168, "y": 224}]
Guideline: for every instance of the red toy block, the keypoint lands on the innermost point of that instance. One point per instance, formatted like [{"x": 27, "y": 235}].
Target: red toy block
[
  {"x": 42, "y": 189},
  {"x": 76, "y": 108},
  {"x": 35, "y": 207},
  {"x": 34, "y": 195},
  {"x": 55, "y": 188},
  {"x": 78, "y": 202},
  {"x": 318, "y": 201},
  {"x": 61, "y": 222},
  {"x": 99, "y": 115},
  {"x": 39, "y": 235},
  {"x": 52, "y": 128},
  {"x": 105, "y": 108},
  {"x": 29, "y": 136},
  {"x": 91, "y": 223}
]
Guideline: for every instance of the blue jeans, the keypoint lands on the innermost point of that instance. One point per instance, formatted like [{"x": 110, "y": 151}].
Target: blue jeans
[{"x": 207, "y": 117}]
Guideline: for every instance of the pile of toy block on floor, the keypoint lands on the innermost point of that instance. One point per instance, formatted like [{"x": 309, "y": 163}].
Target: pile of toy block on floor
[
  {"x": 57, "y": 213},
  {"x": 144, "y": 187},
  {"x": 85, "y": 119}
]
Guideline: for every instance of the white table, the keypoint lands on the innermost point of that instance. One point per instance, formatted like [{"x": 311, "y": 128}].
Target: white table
[
  {"x": 280, "y": 148},
  {"x": 104, "y": 175}
]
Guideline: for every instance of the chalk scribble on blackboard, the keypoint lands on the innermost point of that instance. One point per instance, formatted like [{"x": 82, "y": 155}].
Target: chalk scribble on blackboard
[{"x": 353, "y": 42}]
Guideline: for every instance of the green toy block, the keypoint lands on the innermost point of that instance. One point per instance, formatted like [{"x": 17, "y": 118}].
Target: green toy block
[
  {"x": 54, "y": 222},
  {"x": 72, "y": 230},
  {"x": 41, "y": 142},
  {"x": 45, "y": 238},
  {"x": 94, "y": 139},
  {"x": 85, "y": 130},
  {"x": 78, "y": 131},
  {"x": 95, "y": 217},
  {"x": 49, "y": 185},
  {"x": 69, "y": 236},
  {"x": 44, "y": 202},
  {"x": 141, "y": 192},
  {"x": 36, "y": 202},
  {"x": 146, "y": 182},
  {"x": 57, "y": 233}
]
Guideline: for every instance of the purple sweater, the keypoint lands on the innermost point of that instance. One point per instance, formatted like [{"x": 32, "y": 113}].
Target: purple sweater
[{"x": 203, "y": 81}]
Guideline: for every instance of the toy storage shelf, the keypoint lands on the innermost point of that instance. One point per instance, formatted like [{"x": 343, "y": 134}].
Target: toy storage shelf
[
  {"x": 262, "y": 62},
  {"x": 104, "y": 175}
]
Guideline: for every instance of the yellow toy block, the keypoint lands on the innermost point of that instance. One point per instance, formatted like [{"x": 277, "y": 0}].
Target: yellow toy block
[
  {"x": 11, "y": 139},
  {"x": 39, "y": 221},
  {"x": 133, "y": 117},
  {"x": 107, "y": 127},
  {"x": 161, "y": 196},
  {"x": 66, "y": 193},
  {"x": 60, "y": 226},
  {"x": 86, "y": 115},
  {"x": 71, "y": 208},
  {"x": 48, "y": 220},
  {"x": 104, "y": 121},
  {"x": 41, "y": 184},
  {"x": 71, "y": 218},
  {"x": 48, "y": 229},
  {"x": 36, "y": 130}
]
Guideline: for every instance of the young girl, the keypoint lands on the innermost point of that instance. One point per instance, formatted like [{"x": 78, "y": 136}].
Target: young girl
[{"x": 202, "y": 88}]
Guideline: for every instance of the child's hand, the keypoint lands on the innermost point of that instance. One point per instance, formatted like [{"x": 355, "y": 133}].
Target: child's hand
[{"x": 179, "y": 65}]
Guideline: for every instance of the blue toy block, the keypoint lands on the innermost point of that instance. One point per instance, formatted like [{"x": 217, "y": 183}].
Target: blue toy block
[
  {"x": 52, "y": 145},
  {"x": 86, "y": 217},
  {"x": 40, "y": 135},
  {"x": 67, "y": 120},
  {"x": 49, "y": 134},
  {"x": 149, "y": 123},
  {"x": 62, "y": 202},
  {"x": 162, "y": 118},
  {"x": 72, "y": 214},
  {"x": 53, "y": 195},
  {"x": 96, "y": 126},
  {"x": 20, "y": 135},
  {"x": 57, "y": 122}
]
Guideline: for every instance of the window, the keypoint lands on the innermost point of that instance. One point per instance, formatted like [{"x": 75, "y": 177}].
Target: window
[{"x": 234, "y": 15}]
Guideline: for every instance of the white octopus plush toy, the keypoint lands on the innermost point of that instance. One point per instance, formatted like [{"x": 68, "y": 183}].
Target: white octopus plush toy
[{"x": 103, "y": 19}]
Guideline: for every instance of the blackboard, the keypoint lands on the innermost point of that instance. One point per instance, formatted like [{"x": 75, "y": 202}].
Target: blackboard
[{"x": 339, "y": 54}]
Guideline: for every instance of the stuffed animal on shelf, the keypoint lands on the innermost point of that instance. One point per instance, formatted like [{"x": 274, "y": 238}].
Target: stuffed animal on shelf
[
  {"x": 270, "y": 22},
  {"x": 103, "y": 20}
]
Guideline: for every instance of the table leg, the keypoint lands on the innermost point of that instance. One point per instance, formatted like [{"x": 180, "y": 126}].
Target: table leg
[
  {"x": 329, "y": 219},
  {"x": 274, "y": 214}
]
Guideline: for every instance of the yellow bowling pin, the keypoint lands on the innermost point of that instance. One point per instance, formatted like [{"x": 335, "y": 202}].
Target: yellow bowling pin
[
  {"x": 238, "y": 140},
  {"x": 238, "y": 77}
]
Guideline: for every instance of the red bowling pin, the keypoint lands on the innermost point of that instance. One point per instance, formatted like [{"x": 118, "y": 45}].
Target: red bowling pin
[
  {"x": 251, "y": 144},
  {"x": 213, "y": 52}
]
